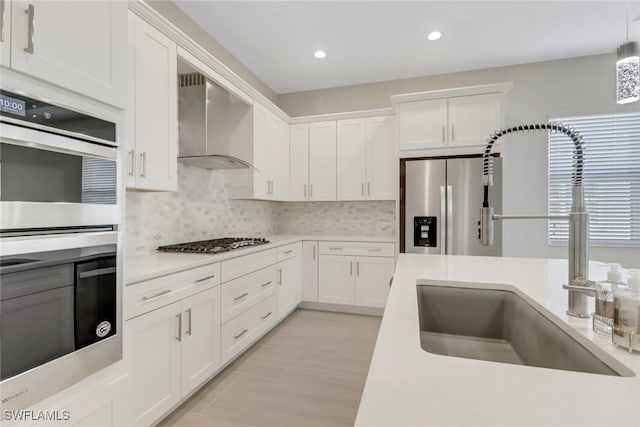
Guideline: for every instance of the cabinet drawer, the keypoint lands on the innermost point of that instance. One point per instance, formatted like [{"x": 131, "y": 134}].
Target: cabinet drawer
[
  {"x": 146, "y": 296},
  {"x": 357, "y": 248},
  {"x": 289, "y": 251},
  {"x": 240, "y": 266},
  {"x": 240, "y": 332},
  {"x": 240, "y": 294}
]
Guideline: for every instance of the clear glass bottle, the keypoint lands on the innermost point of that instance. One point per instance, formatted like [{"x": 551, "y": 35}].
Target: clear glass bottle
[
  {"x": 626, "y": 318},
  {"x": 603, "y": 317}
]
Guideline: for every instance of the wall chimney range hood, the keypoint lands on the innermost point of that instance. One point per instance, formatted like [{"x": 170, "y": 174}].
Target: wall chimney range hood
[{"x": 215, "y": 126}]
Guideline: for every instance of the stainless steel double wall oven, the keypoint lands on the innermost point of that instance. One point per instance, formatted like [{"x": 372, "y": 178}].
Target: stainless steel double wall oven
[{"x": 60, "y": 278}]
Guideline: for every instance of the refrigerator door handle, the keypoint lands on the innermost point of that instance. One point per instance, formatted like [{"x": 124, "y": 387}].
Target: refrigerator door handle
[
  {"x": 443, "y": 216},
  {"x": 449, "y": 219}
]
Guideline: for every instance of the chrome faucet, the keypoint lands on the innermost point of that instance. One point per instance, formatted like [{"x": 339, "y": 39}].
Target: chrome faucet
[{"x": 579, "y": 285}]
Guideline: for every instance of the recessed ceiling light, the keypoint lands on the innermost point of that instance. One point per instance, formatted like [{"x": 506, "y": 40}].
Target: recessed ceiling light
[
  {"x": 320, "y": 54},
  {"x": 434, "y": 35}
]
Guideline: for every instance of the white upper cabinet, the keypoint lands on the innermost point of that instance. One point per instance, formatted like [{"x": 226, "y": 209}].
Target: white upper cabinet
[
  {"x": 152, "y": 119},
  {"x": 77, "y": 45},
  {"x": 322, "y": 160},
  {"x": 261, "y": 181},
  {"x": 279, "y": 159},
  {"x": 5, "y": 32},
  {"x": 365, "y": 159},
  {"x": 459, "y": 117},
  {"x": 299, "y": 162}
]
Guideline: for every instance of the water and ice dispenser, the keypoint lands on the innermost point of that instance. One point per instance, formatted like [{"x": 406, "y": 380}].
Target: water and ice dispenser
[{"x": 425, "y": 231}]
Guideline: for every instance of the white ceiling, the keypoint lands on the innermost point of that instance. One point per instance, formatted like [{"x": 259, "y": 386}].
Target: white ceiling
[{"x": 386, "y": 40}]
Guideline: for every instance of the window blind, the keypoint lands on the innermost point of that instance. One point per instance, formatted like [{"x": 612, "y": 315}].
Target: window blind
[{"x": 611, "y": 178}]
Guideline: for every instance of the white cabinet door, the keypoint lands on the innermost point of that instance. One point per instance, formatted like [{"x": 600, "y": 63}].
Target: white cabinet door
[
  {"x": 289, "y": 286},
  {"x": 322, "y": 160},
  {"x": 336, "y": 280},
  {"x": 78, "y": 45},
  {"x": 279, "y": 160},
  {"x": 422, "y": 124},
  {"x": 153, "y": 350},
  {"x": 310, "y": 271},
  {"x": 156, "y": 109},
  {"x": 261, "y": 184},
  {"x": 473, "y": 118},
  {"x": 382, "y": 178},
  {"x": 299, "y": 162},
  {"x": 200, "y": 338},
  {"x": 5, "y": 32},
  {"x": 372, "y": 280},
  {"x": 351, "y": 159},
  {"x": 129, "y": 143}
]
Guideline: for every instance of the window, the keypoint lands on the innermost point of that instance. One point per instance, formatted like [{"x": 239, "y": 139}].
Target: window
[{"x": 611, "y": 178}]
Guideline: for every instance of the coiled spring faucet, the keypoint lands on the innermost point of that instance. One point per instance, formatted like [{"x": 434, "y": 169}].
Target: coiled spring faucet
[{"x": 579, "y": 286}]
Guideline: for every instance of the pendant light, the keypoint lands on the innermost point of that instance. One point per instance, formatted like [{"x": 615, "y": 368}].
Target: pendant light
[{"x": 628, "y": 70}]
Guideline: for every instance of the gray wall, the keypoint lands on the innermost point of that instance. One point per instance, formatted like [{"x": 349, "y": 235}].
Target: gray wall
[
  {"x": 178, "y": 18},
  {"x": 577, "y": 85}
]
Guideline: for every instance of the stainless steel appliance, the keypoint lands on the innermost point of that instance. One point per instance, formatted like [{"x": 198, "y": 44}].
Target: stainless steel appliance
[
  {"x": 439, "y": 200},
  {"x": 214, "y": 246},
  {"x": 58, "y": 167},
  {"x": 59, "y": 312}
]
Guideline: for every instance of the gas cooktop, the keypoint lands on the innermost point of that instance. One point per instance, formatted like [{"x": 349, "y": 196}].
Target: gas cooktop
[{"x": 214, "y": 246}]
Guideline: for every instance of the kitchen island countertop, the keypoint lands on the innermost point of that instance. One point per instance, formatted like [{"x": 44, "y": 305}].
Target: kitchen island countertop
[{"x": 407, "y": 386}]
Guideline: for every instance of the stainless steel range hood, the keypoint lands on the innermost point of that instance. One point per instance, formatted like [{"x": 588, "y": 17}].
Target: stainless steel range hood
[{"x": 215, "y": 126}]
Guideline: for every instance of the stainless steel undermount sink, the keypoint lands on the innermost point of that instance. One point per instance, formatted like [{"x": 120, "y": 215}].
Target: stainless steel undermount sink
[{"x": 498, "y": 325}]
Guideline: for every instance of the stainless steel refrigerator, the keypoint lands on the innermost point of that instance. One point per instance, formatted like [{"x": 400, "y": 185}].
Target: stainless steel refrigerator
[{"x": 440, "y": 206}]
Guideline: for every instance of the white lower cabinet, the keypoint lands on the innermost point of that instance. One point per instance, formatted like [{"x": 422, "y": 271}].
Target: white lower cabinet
[
  {"x": 171, "y": 351},
  {"x": 289, "y": 285},
  {"x": 355, "y": 280}
]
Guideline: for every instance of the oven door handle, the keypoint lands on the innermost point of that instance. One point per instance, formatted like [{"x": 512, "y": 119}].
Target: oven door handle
[
  {"x": 55, "y": 242},
  {"x": 97, "y": 272}
]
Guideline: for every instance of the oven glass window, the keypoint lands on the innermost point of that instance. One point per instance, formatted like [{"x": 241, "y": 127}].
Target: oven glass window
[{"x": 34, "y": 175}]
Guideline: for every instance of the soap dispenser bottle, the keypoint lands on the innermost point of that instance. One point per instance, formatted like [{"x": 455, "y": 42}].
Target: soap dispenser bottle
[
  {"x": 626, "y": 318},
  {"x": 603, "y": 317}
]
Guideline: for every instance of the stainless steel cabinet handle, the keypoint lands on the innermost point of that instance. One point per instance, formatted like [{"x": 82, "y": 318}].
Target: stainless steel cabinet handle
[
  {"x": 188, "y": 332},
  {"x": 280, "y": 276},
  {"x": 357, "y": 268},
  {"x": 288, "y": 252},
  {"x": 179, "y": 337},
  {"x": 266, "y": 284},
  {"x": 310, "y": 190},
  {"x": 244, "y": 331},
  {"x": 443, "y": 137},
  {"x": 314, "y": 253},
  {"x": 163, "y": 292},
  {"x": 97, "y": 272},
  {"x": 362, "y": 188},
  {"x": 351, "y": 268},
  {"x": 205, "y": 278},
  {"x": 2, "y": 20},
  {"x": 267, "y": 315},
  {"x": 453, "y": 138},
  {"x": 239, "y": 297},
  {"x": 31, "y": 16},
  {"x": 374, "y": 250},
  {"x": 368, "y": 188},
  {"x": 305, "y": 190},
  {"x": 132, "y": 163},
  {"x": 143, "y": 161},
  {"x": 268, "y": 186},
  {"x": 336, "y": 249}
]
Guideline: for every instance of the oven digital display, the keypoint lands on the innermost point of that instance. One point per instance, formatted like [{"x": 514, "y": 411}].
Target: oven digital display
[{"x": 12, "y": 106}]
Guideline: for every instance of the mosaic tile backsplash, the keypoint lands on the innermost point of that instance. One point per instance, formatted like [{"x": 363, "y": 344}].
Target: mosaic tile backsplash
[{"x": 201, "y": 210}]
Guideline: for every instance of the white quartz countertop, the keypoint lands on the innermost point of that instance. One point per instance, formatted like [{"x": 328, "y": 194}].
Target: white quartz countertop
[
  {"x": 138, "y": 268},
  {"x": 408, "y": 386}
]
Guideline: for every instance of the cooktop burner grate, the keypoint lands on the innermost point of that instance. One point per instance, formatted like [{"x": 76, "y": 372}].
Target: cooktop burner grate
[{"x": 214, "y": 246}]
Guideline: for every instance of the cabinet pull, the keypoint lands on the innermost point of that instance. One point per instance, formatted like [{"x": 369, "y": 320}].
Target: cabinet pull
[
  {"x": 368, "y": 188},
  {"x": 179, "y": 337},
  {"x": 268, "y": 186},
  {"x": 362, "y": 188},
  {"x": 288, "y": 252},
  {"x": 244, "y": 331},
  {"x": 351, "y": 268},
  {"x": 143, "y": 160},
  {"x": 310, "y": 190},
  {"x": 205, "y": 278},
  {"x": 314, "y": 252},
  {"x": 357, "y": 268},
  {"x": 188, "y": 332},
  {"x": 374, "y": 250},
  {"x": 279, "y": 276},
  {"x": 443, "y": 137},
  {"x": 163, "y": 292},
  {"x": 2, "y": 20},
  {"x": 453, "y": 138},
  {"x": 266, "y": 284},
  {"x": 267, "y": 315},
  {"x": 132, "y": 153},
  {"x": 336, "y": 249},
  {"x": 305, "y": 190},
  {"x": 31, "y": 12},
  {"x": 241, "y": 296}
]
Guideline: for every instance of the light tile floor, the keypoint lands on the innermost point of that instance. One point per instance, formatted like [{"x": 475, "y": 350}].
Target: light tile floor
[{"x": 308, "y": 371}]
